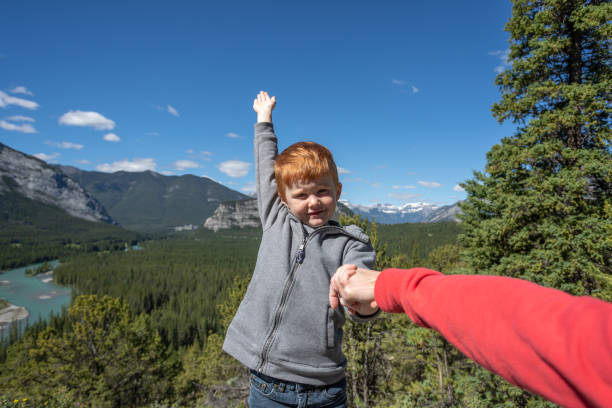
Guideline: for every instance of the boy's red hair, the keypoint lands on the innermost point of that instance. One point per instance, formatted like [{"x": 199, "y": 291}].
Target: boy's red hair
[{"x": 303, "y": 161}]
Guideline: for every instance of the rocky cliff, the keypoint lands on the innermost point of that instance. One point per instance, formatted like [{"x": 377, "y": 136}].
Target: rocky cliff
[
  {"x": 36, "y": 180},
  {"x": 231, "y": 214},
  {"x": 446, "y": 213},
  {"x": 244, "y": 213}
]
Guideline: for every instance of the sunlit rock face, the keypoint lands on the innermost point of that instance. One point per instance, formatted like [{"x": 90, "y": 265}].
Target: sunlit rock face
[
  {"x": 36, "y": 180},
  {"x": 243, "y": 213},
  {"x": 232, "y": 214}
]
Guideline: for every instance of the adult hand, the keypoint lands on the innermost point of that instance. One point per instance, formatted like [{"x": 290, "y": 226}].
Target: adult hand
[{"x": 355, "y": 287}]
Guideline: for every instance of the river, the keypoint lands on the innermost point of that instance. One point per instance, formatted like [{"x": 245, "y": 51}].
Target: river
[{"x": 38, "y": 294}]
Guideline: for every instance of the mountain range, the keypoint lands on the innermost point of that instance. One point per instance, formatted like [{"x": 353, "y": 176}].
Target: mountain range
[
  {"x": 409, "y": 212},
  {"x": 151, "y": 202}
]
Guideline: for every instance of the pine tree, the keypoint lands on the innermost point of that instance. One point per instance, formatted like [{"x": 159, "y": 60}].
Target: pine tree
[{"x": 538, "y": 211}]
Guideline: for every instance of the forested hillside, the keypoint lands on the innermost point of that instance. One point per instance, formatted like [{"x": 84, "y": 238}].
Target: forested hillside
[{"x": 31, "y": 231}]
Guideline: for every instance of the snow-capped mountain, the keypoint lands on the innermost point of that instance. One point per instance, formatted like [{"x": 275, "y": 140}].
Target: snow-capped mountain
[{"x": 409, "y": 212}]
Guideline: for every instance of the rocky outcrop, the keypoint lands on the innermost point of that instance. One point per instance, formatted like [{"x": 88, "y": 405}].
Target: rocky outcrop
[
  {"x": 243, "y": 213},
  {"x": 232, "y": 214},
  {"x": 12, "y": 313},
  {"x": 446, "y": 213},
  {"x": 36, "y": 180}
]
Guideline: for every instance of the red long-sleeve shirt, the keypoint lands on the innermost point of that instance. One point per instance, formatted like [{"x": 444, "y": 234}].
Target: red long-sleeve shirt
[{"x": 555, "y": 345}]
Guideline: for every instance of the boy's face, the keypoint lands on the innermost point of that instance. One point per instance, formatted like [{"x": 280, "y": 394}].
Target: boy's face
[{"x": 314, "y": 201}]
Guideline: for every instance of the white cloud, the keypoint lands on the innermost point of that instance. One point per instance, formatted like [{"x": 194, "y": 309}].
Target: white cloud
[
  {"x": 65, "y": 145},
  {"x": 181, "y": 165},
  {"x": 362, "y": 180},
  {"x": 430, "y": 184},
  {"x": 402, "y": 83},
  {"x": 201, "y": 155},
  {"x": 342, "y": 170},
  {"x": 503, "y": 60},
  {"x": 458, "y": 188},
  {"x": 25, "y": 128},
  {"x": 111, "y": 137},
  {"x": 21, "y": 90},
  {"x": 233, "y": 135},
  {"x": 235, "y": 168},
  {"x": 137, "y": 165},
  {"x": 249, "y": 188},
  {"x": 402, "y": 187},
  {"x": 153, "y": 134},
  {"x": 403, "y": 196},
  {"x": 204, "y": 155},
  {"x": 83, "y": 161},
  {"x": 168, "y": 173},
  {"x": 19, "y": 118},
  {"x": 6, "y": 100},
  {"x": 47, "y": 157},
  {"x": 172, "y": 111},
  {"x": 81, "y": 118}
]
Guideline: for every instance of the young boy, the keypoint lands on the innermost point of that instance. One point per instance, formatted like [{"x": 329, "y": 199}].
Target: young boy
[{"x": 285, "y": 330}]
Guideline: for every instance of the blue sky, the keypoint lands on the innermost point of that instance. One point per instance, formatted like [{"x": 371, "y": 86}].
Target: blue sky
[{"x": 400, "y": 91}]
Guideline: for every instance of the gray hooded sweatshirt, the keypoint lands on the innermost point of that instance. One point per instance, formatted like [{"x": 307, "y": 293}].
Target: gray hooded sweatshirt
[{"x": 285, "y": 327}]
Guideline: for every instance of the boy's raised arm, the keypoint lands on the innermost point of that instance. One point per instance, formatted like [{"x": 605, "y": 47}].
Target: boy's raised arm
[{"x": 266, "y": 150}]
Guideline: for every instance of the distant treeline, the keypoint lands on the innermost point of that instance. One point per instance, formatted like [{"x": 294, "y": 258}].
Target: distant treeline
[{"x": 417, "y": 240}]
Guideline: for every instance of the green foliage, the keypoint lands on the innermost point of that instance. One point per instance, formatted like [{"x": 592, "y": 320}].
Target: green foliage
[
  {"x": 177, "y": 281},
  {"x": 107, "y": 358},
  {"x": 210, "y": 376},
  {"x": 446, "y": 259},
  {"x": 538, "y": 211},
  {"x": 42, "y": 268},
  {"x": 417, "y": 240},
  {"x": 367, "y": 369}
]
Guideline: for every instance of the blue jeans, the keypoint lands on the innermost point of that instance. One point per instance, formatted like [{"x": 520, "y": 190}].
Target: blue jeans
[{"x": 268, "y": 392}]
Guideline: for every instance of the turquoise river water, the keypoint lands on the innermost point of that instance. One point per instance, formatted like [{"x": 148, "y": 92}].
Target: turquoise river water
[{"x": 38, "y": 294}]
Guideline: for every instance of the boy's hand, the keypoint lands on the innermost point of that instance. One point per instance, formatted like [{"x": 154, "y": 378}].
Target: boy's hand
[
  {"x": 264, "y": 105},
  {"x": 355, "y": 287}
]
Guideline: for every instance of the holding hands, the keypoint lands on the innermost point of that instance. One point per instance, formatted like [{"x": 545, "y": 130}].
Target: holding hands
[
  {"x": 355, "y": 288},
  {"x": 264, "y": 105}
]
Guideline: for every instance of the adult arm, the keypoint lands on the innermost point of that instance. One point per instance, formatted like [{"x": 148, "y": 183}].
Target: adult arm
[{"x": 551, "y": 343}]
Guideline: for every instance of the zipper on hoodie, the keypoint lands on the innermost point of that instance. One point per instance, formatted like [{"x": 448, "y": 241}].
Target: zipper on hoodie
[{"x": 299, "y": 258}]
